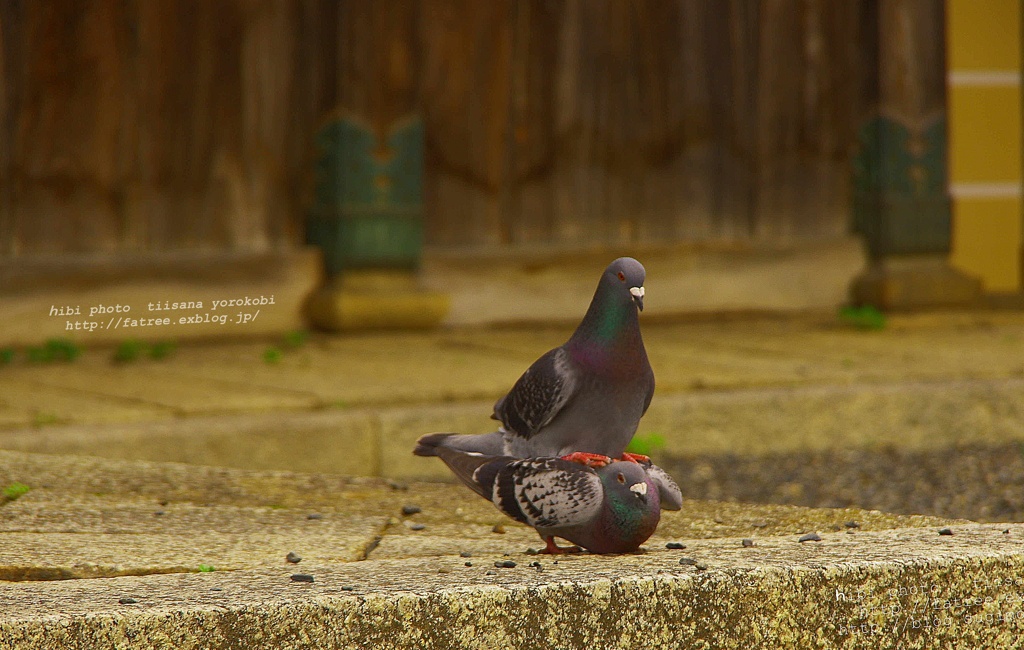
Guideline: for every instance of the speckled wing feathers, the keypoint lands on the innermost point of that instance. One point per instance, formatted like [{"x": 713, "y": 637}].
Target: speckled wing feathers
[
  {"x": 539, "y": 394},
  {"x": 548, "y": 492}
]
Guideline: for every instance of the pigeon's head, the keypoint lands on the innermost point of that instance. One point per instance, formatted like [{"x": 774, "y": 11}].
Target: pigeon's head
[
  {"x": 626, "y": 275},
  {"x": 627, "y": 486}
]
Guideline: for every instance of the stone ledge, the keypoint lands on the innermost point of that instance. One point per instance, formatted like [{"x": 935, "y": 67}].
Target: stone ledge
[
  {"x": 907, "y": 588},
  {"x": 95, "y": 523}
]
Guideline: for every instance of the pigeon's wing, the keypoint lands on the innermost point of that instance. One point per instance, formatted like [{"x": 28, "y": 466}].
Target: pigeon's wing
[
  {"x": 668, "y": 491},
  {"x": 543, "y": 390},
  {"x": 650, "y": 389},
  {"x": 476, "y": 471},
  {"x": 547, "y": 492}
]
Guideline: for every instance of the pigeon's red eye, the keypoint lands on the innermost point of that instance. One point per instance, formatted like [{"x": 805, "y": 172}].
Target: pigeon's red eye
[
  {"x": 622, "y": 276},
  {"x": 620, "y": 477}
]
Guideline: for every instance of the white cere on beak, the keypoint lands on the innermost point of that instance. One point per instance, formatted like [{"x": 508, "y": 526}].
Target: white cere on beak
[
  {"x": 637, "y": 291},
  {"x": 639, "y": 488}
]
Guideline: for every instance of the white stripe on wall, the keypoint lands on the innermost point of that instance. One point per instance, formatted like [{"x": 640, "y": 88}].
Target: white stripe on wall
[
  {"x": 983, "y": 77},
  {"x": 1002, "y": 190}
]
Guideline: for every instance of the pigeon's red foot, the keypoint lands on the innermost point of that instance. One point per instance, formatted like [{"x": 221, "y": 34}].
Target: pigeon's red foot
[
  {"x": 555, "y": 549},
  {"x": 636, "y": 458},
  {"x": 588, "y": 459}
]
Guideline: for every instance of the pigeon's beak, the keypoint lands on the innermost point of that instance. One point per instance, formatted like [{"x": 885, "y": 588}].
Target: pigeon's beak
[
  {"x": 638, "y": 296},
  {"x": 640, "y": 490}
]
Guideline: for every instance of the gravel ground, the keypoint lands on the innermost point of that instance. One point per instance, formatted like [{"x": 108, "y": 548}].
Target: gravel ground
[{"x": 981, "y": 483}]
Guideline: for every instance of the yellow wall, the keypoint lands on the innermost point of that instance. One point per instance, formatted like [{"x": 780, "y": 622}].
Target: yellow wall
[{"x": 985, "y": 148}]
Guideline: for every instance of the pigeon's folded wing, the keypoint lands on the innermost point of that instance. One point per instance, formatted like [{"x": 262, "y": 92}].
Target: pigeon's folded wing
[
  {"x": 537, "y": 397},
  {"x": 548, "y": 492}
]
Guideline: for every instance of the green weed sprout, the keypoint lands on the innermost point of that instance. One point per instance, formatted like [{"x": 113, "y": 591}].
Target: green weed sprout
[
  {"x": 15, "y": 490},
  {"x": 162, "y": 349},
  {"x": 865, "y": 317},
  {"x": 646, "y": 444},
  {"x": 272, "y": 355},
  {"x": 129, "y": 351},
  {"x": 296, "y": 338}
]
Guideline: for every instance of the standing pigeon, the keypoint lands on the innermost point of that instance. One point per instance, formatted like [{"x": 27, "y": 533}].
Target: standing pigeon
[
  {"x": 611, "y": 509},
  {"x": 585, "y": 396}
]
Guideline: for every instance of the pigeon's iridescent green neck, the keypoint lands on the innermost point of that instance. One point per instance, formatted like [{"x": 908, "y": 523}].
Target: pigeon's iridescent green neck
[
  {"x": 630, "y": 519},
  {"x": 607, "y": 319},
  {"x": 612, "y": 320}
]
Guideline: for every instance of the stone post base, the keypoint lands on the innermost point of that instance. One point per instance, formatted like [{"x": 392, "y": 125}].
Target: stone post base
[
  {"x": 915, "y": 282},
  {"x": 375, "y": 300}
]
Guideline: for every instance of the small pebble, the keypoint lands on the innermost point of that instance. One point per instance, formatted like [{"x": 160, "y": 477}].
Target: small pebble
[
  {"x": 398, "y": 485},
  {"x": 158, "y": 513},
  {"x": 852, "y": 524},
  {"x": 719, "y": 520},
  {"x": 851, "y": 532},
  {"x": 747, "y": 543},
  {"x": 532, "y": 551},
  {"x": 348, "y": 588},
  {"x": 469, "y": 564},
  {"x": 687, "y": 561},
  {"x": 498, "y": 528},
  {"x": 675, "y": 545},
  {"x": 535, "y": 563},
  {"x": 302, "y": 577},
  {"x": 760, "y": 524},
  {"x": 417, "y": 527},
  {"x": 810, "y": 537},
  {"x": 293, "y": 557},
  {"x": 314, "y": 515},
  {"x": 465, "y": 554},
  {"x": 127, "y": 600},
  {"x": 1006, "y": 532},
  {"x": 216, "y": 589},
  {"x": 491, "y": 573},
  {"x": 444, "y": 569},
  {"x": 945, "y": 531},
  {"x": 700, "y": 566},
  {"x": 505, "y": 564},
  {"x": 411, "y": 510}
]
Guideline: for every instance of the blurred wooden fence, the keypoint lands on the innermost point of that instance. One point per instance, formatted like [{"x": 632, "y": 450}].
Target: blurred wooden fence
[{"x": 168, "y": 125}]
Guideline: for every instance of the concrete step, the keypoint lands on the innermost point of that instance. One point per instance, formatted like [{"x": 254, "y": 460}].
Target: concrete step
[{"x": 127, "y": 537}]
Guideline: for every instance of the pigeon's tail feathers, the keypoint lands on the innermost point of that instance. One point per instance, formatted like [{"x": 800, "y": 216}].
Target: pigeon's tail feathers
[
  {"x": 668, "y": 491},
  {"x": 427, "y": 445},
  {"x": 489, "y": 444},
  {"x": 477, "y": 471}
]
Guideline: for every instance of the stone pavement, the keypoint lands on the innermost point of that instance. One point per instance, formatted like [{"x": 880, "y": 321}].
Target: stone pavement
[{"x": 923, "y": 416}]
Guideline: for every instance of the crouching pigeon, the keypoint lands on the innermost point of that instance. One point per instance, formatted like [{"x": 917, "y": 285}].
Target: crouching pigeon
[
  {"x": 609, "y": 509},
  {"x": 669, "y": 494},
  {"x": 586, "y": 395}
]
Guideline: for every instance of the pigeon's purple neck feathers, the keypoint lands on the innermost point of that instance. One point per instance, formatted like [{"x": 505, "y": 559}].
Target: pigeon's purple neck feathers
[{"x": 609, "y": 334}]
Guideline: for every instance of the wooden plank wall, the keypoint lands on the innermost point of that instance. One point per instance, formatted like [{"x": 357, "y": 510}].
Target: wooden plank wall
[
  {"x": 154, "y": 125},
  {"x": 162, "y": 125}
]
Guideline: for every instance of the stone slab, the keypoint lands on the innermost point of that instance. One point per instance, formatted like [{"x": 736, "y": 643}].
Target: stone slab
[
  {"x": 321, "y": 441},
  {"x": 906, "y": 588}
]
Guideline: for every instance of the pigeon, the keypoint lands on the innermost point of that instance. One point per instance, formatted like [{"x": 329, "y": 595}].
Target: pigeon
[
  {"x": 611, "y": 509},
  {"x": 669, "y": 494},
  {"x": 586, "y": 396}
]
